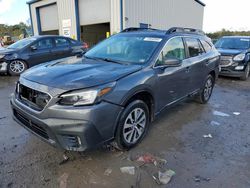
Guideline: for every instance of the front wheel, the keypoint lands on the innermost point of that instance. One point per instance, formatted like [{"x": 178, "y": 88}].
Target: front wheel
[
  {"x": 206, "y": 91},
  {"x": 246, "y": 73},
  {"x": 133, "y": 125},
  {"x": 16, "y": 67}
]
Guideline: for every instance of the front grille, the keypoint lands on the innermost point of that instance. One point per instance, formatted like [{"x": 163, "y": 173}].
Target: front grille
[
  {"x": 226, "y": 61},
  {"x": 31, "y": 125},
  {"x": 34, "y": 99}
]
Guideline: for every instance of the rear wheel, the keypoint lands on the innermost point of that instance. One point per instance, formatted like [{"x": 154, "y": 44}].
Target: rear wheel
[
  {"x": 207, "y": 90},
  {"x": 246, "y": 73},
  {"x": 17, "y": 67},
  {"x": 133, "y": 125}
]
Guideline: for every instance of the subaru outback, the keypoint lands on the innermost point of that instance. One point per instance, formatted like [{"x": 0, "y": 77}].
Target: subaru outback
[{"x": 114, "y": 91}]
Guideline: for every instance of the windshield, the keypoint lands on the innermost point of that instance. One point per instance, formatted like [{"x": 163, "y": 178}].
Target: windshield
[
  {"x": 233, "y": 43},
  {"x": 127, "y": 49},
  {"x": 21, "y": 43}
]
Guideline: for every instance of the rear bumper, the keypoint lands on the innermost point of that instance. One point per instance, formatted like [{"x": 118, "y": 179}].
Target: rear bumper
[{"x": 75, "y": 129}]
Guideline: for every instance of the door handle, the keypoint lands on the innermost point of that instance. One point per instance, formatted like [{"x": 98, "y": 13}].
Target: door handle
[{"x": 187, "y": 69}]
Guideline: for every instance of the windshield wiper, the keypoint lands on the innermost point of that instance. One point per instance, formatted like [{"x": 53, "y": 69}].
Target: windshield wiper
[
  {"x": 104, "y": 59},
  {"x": 111, "y": 60}
]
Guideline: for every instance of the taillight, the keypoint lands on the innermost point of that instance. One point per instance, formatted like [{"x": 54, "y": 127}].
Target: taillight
[{"x": 85, "y": 45}]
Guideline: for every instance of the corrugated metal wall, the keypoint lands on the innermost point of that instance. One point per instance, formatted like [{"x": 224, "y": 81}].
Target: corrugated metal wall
[
  {"x": 162, "y": 14},
  {"x": 66, "y": 11}
]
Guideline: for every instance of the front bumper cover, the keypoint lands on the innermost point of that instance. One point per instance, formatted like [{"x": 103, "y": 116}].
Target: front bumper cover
[{"x": 70, "y": 128}]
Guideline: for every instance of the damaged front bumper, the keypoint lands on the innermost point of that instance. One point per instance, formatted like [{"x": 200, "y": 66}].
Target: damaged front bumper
[
  {"x": 68, "y": 127},
  {"x": 3, "y": 67}
]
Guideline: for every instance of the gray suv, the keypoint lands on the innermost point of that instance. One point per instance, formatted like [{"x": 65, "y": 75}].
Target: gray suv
[{"x": 116, "y": 89}]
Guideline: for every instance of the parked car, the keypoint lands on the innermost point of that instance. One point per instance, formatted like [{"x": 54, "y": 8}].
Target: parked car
[
  {"x": 235, "y": 56},
  {"x": 116, "y": 89},
  {"x": 29, "y": 52}
]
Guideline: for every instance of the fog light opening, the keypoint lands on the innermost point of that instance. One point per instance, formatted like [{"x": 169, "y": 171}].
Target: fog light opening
[{"x": 239, "y": 68}]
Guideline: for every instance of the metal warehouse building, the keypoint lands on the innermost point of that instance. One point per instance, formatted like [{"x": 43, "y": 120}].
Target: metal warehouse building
[{"x": 93, "y": 20}]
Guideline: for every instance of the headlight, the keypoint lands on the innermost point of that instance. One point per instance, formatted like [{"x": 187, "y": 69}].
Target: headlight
[
  {"x": 239, "y": 57},
  {"x": 85, "y": 97},
  {"x": 2, "y": 56}
]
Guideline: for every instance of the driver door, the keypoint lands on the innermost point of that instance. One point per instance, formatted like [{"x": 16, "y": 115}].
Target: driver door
[
  {"x": 173, "y": 82},
  {"x": 41, "y": 52}
]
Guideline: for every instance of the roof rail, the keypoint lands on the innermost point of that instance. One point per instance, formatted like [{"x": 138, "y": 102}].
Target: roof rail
[
  {"x": 137, "y": 29},
  {"x": 185, "y": 30}
]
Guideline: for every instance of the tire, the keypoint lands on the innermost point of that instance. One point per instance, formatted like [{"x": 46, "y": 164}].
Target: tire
[
  {"x": 130, "y": 131},
  {"x": 207, "y": 90},
  {"x": 246, "y": 73},
  {"x": 17, "y": 67}
]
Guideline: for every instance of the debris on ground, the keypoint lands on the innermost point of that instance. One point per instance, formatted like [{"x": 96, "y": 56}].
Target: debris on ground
[
  {"x": 65, "y": 159},
  {"x": 215, "y": 123},
  {"x": 107, "y": 172},
  {"x": 138, "y": 180},
  {"x": 128, "y": 170},
  {"x": 147, "y": 158},
  {"x": 207, "y": 136},
  {"x": 45, "y": 179},
  {"x": 2, "y": 117},
  {"x": 199, "y": 179},
  {"x": 236, "y": 113},
  {"x": 10, "y": 185},
  {"x": 165, "y": 177},
  {"x": 63, "y": 180},
  {"x": 222, "y": 114}
]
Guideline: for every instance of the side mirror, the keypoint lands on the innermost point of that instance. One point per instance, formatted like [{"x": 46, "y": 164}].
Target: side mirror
[
  {"x": 80, "y": 55},
  {"x": 33, "y": 48},
  {"x": 172, "y": 62}
]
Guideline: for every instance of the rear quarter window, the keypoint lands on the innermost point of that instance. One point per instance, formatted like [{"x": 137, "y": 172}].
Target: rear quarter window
[
  {"x": 194, "y": 47},
  {"x": 206, "y": 45}
]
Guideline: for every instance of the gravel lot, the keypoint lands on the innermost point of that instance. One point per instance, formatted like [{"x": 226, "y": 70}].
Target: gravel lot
[{"x": 176, "y": 136}]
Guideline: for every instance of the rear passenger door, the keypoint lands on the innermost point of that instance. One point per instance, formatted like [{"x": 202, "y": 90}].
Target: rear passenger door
[
  {"x": 172, "y": 82},
  {"x": 197, "y": 61},
  {"x": 62, "y": 48}
]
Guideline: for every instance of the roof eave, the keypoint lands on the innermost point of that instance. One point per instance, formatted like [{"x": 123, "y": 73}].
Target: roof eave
[
  {"x": 200, "y": 2},
  {"x": 32, "y": 1}
]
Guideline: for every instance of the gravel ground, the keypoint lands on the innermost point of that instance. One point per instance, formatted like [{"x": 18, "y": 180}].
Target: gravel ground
[{"x": 176, "y": 136}]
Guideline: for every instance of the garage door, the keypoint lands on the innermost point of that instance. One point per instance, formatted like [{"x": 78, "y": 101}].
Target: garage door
[
  {"x": 94, "y": 11},
  {"x": 49, "y": 18}
]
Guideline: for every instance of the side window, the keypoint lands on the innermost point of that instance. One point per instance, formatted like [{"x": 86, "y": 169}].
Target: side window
[
  {"x": 206, "y": 46},
  {"x": 61, "y": 42},
  {"x": 174, "y": 49},
  {"x": 194, "y": 47},
  {"x": 44, "y": 44}
]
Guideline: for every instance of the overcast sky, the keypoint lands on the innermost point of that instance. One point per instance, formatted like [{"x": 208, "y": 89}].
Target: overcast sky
[{"x": 228, "y": 14}]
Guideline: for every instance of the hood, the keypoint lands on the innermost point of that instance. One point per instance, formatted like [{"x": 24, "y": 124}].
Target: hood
[
  {"x": 231, "y": 52},
  {"x": 74, "y": 73},
  {"x": 5, "y": 51}
]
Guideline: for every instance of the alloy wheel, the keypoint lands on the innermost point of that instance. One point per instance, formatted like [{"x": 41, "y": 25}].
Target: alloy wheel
[
  {"x": 208, "y": 89},
  {"x": 17, "y": 66},
  {"x": 134, "y": 125}
]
